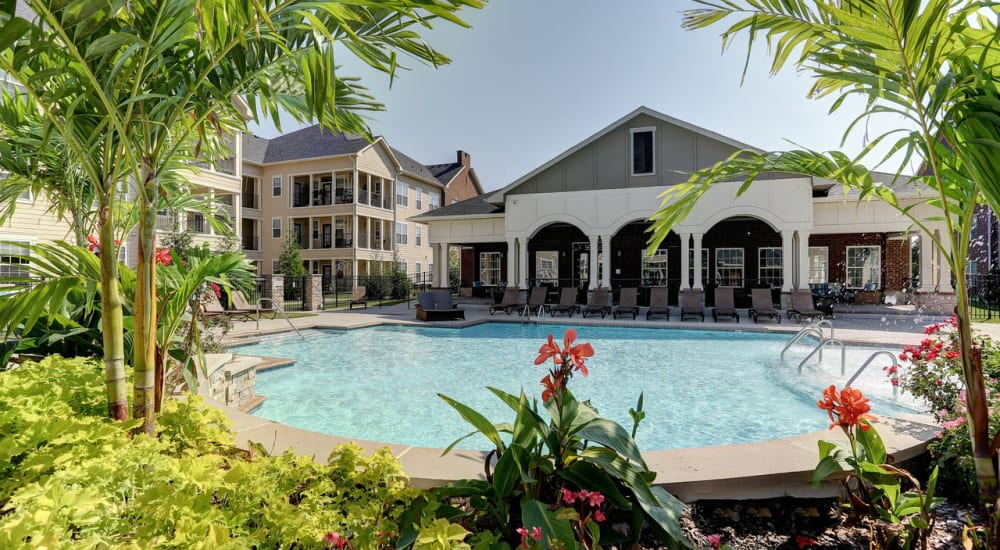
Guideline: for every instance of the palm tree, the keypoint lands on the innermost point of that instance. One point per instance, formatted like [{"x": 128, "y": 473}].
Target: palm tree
[
  {"x": 140, "y": 89},
  {"x": 933, "y": 63}
]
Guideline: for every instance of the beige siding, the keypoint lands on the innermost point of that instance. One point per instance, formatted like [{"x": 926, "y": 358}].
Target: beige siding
[
  {"x": 31, "y": 222},
  {"x": 411, "y": 252},
  {"x": 375, "y": 160}
]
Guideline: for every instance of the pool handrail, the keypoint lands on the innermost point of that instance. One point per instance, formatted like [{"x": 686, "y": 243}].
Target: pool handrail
[
  {"x": 819, "y": 349},
  {"x": 895, "y": 372}
]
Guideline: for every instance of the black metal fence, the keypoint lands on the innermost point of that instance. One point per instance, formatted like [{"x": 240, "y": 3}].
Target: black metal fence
[
  {"x": 984, "y": 296},
  {"x": 379, "y": 289}
]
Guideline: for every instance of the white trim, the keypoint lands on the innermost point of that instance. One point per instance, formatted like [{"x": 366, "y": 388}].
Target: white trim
[
  {"x": 826, "y": 264},
  {"x": 280, "y": 228},
  {"x": 760, "y": 257},
  {"x": 878, "y": 266},
  {"x": 281, "y": 185},
  {"x": 631, "y": 145}
]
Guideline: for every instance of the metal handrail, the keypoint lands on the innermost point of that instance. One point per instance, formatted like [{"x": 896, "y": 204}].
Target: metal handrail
[
  {"x": 277, "y": 308},
  {"x": 895, "y": 374},
  {"x": 819, "y": 349},
  {"x": 808, "y": 330}
]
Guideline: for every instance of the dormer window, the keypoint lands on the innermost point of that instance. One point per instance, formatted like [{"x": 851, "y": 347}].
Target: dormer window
[{"x": 643, "y": 148}]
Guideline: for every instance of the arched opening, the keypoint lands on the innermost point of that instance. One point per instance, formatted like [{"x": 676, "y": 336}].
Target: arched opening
[
  {"x": 559, "y": 256},
  {"x": 631, "y": 266},
  {"x": 742, "y": 253}
]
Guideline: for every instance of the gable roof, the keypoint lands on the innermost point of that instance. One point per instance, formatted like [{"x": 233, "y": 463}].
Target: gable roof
[
  {"x": 642, "y": 110},
  {"x": 445, "y": 172},
  {"x": 254, "y": 148},
  {"x": 414, "y": 168},
  {"x": 475, "y": 206},
  {"x": 312, "y": 142}
]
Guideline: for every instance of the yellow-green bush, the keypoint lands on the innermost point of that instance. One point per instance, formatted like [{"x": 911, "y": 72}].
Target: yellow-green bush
[{"x": 71, "y": 477}]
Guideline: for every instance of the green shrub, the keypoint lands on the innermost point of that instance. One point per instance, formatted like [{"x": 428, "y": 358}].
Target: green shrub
[{"x": 69, "y": 476}]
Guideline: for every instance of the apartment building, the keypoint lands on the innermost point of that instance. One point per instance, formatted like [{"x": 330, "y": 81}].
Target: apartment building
[{"x": 346, "y": 202}]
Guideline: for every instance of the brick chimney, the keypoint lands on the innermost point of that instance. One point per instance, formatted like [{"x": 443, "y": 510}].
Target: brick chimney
[{"x": 464, "y": 159}]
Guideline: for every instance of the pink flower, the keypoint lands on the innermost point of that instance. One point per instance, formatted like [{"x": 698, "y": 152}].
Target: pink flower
[
  {"x": 163, "y": 257},
  {"x": 535, "y": 533},
  {"x": 595, "y": 499},
  {"x": 714, "y": 540},
  {"x": 569, "y": 497},
  {"x": 335, "y": 540},
  {"x": 599, "y": 516},
  {"x": 216, "y": 290}
]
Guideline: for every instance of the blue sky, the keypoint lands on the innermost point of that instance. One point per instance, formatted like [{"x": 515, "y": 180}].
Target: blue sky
[{"x": 532, "y": 78}]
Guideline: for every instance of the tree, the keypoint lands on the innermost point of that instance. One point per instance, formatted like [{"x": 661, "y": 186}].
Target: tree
[
  {"x": 139, "y": 90},
  {"x": 290, "y": 259},
  {"x": 933, "y": 63}
]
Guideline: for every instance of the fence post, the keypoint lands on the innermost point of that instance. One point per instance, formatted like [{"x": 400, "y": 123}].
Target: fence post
[
  {"x": 278, "y": 292},
  {"x": 313, "y": 293}
]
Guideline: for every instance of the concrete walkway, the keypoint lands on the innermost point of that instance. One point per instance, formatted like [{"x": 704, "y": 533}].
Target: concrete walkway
[{"x": 763, "y": 470}]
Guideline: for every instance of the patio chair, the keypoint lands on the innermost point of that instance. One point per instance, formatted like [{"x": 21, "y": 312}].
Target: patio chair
[
  {"x": 691, "y": 303},
  {"x": 600, "y": 302},
  {"x": 508, "y": 303},
  {"x": 724, "y": 304},
  {"x": 626, "y": 303},
  {"x": 763, "y": 306},
  {"x": 536, "y": 301},
  {"x": 212, "y": 306},
  {"x": 243, "y": 309},
  {"x": 803, "y": 306},
  {"x": 359, "y": 297},
  {"x": 437, "y": 305},
  {"x": 658, "y": 302},
  {"x": 567, "y": 302}
]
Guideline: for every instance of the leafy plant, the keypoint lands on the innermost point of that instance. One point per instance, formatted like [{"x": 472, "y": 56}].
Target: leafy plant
[
  {"x": 874, "y": 488},
  {"x": 565, "y": 479}
]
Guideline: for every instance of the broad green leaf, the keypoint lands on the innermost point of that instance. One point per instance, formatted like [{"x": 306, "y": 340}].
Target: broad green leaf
[
  {"x": 554, "y": 529},
  {"x": 477, "y": 420}
]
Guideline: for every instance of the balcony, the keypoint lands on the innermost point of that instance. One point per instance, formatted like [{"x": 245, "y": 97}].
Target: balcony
[
  {"x": 343, "y": 241},
  {"x": 251, "y": 201},
  {"x": 326, "y": 241},
  {"x": 251, "y": 243},
  {"x": 196, "y": 223}
]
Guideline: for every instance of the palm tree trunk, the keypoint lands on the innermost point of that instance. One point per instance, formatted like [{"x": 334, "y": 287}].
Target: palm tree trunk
[
  {"x": 144, "y": 352},
  {"x": 976, "y": 402},
  {"x": 112, "y": 323}
]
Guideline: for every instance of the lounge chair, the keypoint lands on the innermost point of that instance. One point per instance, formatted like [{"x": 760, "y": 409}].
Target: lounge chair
[
  {"x": 536, "y": 301},
  {"x": 626, "y": 303},
  {"x": 437, "y": 305},
  {"x": 691, "y": 303},
  {"x": 802, "y": 306},
  {"x": 567, "y": 302},
  {"x": 359, "y": 297},
  {"x": 509, "y": 301},
  {"x": 658, "y": 302},
  {"x": 244, "y": 309},
  {"x": 724, "y": 304},
  {"x": 212, "y": 307},
  {"x": 600, "y": 299},
  {"x": 763, "y": 306}
]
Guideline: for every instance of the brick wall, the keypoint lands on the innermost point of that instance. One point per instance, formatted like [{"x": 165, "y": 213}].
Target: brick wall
[
  {"x": 468, "y": 266},
  {"x": 462, "y": 186},
  {"x": 837, "y": 246},
  {"x": 897, "y": 262}
]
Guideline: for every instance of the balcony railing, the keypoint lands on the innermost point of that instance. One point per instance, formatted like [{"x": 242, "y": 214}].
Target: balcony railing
[
  {"x": 344, "y": 241},
  {"x": 251, "y": 201},
  {"x": 325, "y": 241},
  {"x": 251, "y": 243},
  {"x": 196, "y": 224}
]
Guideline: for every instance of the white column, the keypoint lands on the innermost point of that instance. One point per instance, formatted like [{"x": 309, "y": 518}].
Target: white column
[
  {"x": 593, "y": 262},
  {"x": 697, "y": 260},
  {"x": 606, "y": 264},
  {"x": 802, "y": 277},
  {"x": 512, "y": 263},
  {"x": 443, "y": 266},
  {"x": 926, "y": 264},
  {"x": 788, "y": 260},
  {"x": 942, "y": 281},
  {"x": 522, "y": 264},
  {"x": 685, "y": 260}
]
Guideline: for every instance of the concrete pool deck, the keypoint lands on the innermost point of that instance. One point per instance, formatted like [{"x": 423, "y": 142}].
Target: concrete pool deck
[{"x": 755, "y": 470}]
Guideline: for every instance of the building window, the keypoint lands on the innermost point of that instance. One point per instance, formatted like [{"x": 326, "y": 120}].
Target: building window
[
  {"x": 275, "y": 228},
  {"x": 654, "y": 269},
  {"x": 276, "y": 186},
  {"x": 489, "y": 267},
  {"x": 729, "y": 266},
  {"x": 643, "y": 151},
  {"x": 401, "y": 266},
  {"x": 14, "y": 259},
  {"x": 819, "y": 265},
  {"x": 691, "y": 264},
  {"x": 401, "y": 230},
  {"x": 419, "y": 235},
  {"x": 863, "y": 267},
  {"x": 433, "y": 200},
  {"x": 769, "y": 265},
  {"x": 275, "y": 267},
  {"x": 402, "y": 194},
  {"x": 420, "y": 199}
]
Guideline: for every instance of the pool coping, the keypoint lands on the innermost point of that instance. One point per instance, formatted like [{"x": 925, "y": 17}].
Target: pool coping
[{"x": 727, "y": 472}]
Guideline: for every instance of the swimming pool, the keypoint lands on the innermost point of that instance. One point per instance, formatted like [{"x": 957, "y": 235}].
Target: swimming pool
[{"x": 701, "y": 387}]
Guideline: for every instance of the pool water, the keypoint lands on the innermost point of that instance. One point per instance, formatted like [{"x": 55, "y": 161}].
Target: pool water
[{"x": 701, "y": 387}]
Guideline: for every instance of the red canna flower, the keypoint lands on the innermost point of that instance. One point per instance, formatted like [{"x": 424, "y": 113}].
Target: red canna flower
[
  {"x": 804, "y": 541},
  {"x": 549, "y": 350},
  {"x": 850, "y": 407},
  {"x": 163, "y": 257},
  {"x": 552, "y": 385},
  {"x": 577, "y": 354},
  {"x": 94, "y": 246}
]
